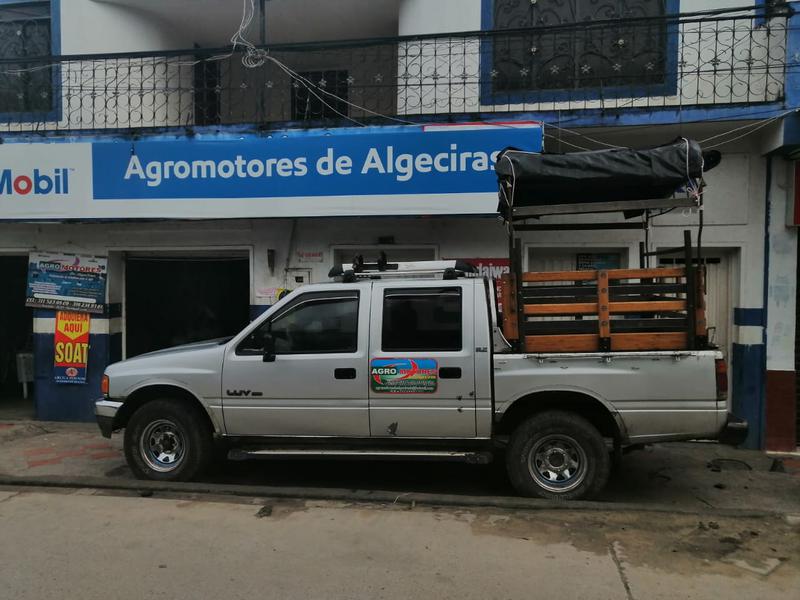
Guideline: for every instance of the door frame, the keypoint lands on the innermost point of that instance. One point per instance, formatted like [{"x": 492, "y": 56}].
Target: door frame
[{"x": 166, "y": 251}]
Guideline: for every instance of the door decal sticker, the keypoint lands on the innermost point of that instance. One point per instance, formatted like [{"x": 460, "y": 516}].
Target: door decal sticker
[{"x": 403, "y": 375}]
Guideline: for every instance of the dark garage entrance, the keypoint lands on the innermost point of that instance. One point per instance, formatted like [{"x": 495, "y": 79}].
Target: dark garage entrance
[
  {"x": 172, "y": 300},
  {"x": 16, "y": 341}
]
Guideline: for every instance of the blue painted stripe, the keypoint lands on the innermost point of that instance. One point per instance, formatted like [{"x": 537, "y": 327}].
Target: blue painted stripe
[
  {"x": 112, "y": 311},
  {"x": 748, "y": 389},
  {"x": 606, "y": 117},
  {"x": 748, "y": 316},
  {"x": 67, "y": 402}
]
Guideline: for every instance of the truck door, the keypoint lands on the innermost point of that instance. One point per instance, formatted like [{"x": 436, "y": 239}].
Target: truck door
[
  {"x": 422, "y": 378},
  {"x": 317, "y": 383}
]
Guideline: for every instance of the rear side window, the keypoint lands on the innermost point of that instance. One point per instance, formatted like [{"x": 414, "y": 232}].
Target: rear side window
[{"x": 422, "y": 319}]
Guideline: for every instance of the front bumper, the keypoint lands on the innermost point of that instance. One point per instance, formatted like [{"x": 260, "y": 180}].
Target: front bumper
[
  {"x": 105, "y": 411},
  {"x": 734, "y": 432}
]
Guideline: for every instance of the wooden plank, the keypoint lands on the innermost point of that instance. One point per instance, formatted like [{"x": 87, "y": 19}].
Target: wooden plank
[
  {"x": 629, "y": 342},
  {"x": 590, "y": 308},
  {"x": 559, "y": 276},
  {"x": 509, "y": 302},
  {"x": 562, "y": 343},
  {"x": 603, "y": 305},
  {"x": 614, "y": 274},
  {"x": 578, "y": 308},
  {"x": 550, "y": 327},
  {"x": 647, "y": 306}
]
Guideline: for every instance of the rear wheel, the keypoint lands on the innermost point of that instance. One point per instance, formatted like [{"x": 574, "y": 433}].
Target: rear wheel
[
  {"x": 557, "y": 455},
  {"x": 168, "y": 440}
]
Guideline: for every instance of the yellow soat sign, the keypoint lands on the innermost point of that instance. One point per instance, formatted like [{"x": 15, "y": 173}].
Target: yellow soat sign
[{"x": 71, "y": 346}]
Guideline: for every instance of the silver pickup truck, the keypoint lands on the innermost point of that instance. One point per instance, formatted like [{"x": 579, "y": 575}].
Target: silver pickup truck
[{"x": 407, "y": 369}]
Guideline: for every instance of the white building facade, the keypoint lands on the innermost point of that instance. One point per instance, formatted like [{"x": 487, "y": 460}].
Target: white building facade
[{"x": 212, "y": 178}]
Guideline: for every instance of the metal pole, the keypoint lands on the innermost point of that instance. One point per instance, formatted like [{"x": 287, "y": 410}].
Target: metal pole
[{"x": 262, "y": 7}]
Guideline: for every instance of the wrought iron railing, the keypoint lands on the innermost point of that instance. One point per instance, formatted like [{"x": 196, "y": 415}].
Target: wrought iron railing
[{"x": 707, "y": 59}]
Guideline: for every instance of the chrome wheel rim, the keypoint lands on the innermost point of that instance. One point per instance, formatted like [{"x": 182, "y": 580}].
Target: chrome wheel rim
[
  {"x": 557, "y": 462},
  {"x": 162, "y": 445}
]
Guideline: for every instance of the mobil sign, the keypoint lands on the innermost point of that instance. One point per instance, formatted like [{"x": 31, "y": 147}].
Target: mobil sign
[{"x": 381, "y": 171}]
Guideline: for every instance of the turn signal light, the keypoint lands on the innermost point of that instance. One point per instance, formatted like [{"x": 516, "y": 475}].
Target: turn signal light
[
  {"x": 104, "y": 385},
  {"x": 722, "y": 379}
]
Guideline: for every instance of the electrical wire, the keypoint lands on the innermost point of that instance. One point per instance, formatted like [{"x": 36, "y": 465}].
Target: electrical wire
[{"x": 760, "y": 125}]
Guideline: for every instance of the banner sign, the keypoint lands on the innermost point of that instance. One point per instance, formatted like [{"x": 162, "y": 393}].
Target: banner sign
[
  {"x": 397, "y": 170},
  {"x": 67, "y": 282},
  {"x": 403, "y": 375},
  {"x": 72, "y": 346}
]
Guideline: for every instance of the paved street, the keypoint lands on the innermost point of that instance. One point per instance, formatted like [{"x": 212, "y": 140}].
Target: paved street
[
  {"x": 687, "y": 476},
  {"x": 126, "y": 543},
  {"x": 84, "y": 545}
]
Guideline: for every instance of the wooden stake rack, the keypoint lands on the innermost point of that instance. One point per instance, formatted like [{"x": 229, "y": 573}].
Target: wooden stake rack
[{"x": 613, "y": 310}]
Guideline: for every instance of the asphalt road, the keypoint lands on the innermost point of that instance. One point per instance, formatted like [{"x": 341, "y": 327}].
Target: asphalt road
[{"x": 91, "y": 546}]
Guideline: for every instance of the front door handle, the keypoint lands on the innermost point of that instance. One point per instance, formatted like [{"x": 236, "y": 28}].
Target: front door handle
[
  {"x": 450, "y": 372},
  {"x": 344, "y": 373}
]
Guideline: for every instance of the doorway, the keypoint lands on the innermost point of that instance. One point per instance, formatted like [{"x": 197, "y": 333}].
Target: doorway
[
  {"x": 174, "y": 300},
  {"x": 16, "y": 341}
]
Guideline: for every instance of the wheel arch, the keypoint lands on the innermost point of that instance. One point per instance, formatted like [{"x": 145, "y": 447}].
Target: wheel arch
[
  {"x": 605, "y": 419},
  {"x": 147, "y": 393}
]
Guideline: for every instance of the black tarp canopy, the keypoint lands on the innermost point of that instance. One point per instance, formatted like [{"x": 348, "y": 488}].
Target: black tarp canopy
[{"x": 598, "y": 181}]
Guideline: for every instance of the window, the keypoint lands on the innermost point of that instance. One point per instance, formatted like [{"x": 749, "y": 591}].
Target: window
[
  {"x": 314, "y": 323},
  {"x": 25, "y": 33},
  {"x": 597, "y": 261},
  {"x": 309, "y": 106},
  {"x": 424, "y": 319},
  {"x": 628, "y": 49}
]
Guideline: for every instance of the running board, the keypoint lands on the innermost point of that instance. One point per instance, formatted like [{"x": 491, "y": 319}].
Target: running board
[{"x": 481, "y": 458}]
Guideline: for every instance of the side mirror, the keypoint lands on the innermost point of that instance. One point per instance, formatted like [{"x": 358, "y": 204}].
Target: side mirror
[{"x": 269, "y": 348}]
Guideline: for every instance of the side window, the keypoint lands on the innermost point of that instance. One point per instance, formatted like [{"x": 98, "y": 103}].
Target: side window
[
  {"x": 422, "y": 319},
  {"x": 311, "y": 324}
]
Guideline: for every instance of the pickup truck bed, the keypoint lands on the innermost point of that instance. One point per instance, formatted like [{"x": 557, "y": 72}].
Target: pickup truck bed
[{"x": 652, "y": 396}]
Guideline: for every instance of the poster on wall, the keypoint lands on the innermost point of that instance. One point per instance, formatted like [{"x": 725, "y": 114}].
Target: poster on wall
[
  {"x": 71, "y": 347},
  {"x": 67, "y": 282}
]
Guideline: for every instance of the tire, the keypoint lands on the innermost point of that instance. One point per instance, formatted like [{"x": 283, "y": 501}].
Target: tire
[
  {"x": 543, "y": 448},
  {"x": 168, "y": 440}
]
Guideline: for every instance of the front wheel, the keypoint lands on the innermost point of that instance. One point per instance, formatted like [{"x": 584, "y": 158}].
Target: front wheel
[
  {"x": 557, "y": 455},
  {"x": 168, "y": 440}
]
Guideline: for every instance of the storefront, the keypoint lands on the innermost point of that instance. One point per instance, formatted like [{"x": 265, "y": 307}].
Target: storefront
[{"x": 200, "y": 235}]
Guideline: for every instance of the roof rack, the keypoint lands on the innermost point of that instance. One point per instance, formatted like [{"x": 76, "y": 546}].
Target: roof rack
[{"x": 447, "y": 269}]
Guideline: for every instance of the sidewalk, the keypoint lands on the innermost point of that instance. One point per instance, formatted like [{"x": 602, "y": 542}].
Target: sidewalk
[{"x": 683, "y": 476}]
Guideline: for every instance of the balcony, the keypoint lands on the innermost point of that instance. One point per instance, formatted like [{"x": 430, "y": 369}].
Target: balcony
[{"x": 648, "y": 63}]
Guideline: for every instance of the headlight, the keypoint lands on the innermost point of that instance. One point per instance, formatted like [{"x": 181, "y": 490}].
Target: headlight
[{"x": 104, "y": 383}]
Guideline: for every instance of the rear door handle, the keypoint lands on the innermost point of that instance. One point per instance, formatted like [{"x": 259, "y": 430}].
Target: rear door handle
[
  {"x": 344, "y": 373},
  {"x": 450, "y": 372}
]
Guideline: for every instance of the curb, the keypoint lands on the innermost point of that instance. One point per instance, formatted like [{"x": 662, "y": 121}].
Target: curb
[{"x": 368, "y": 496}]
